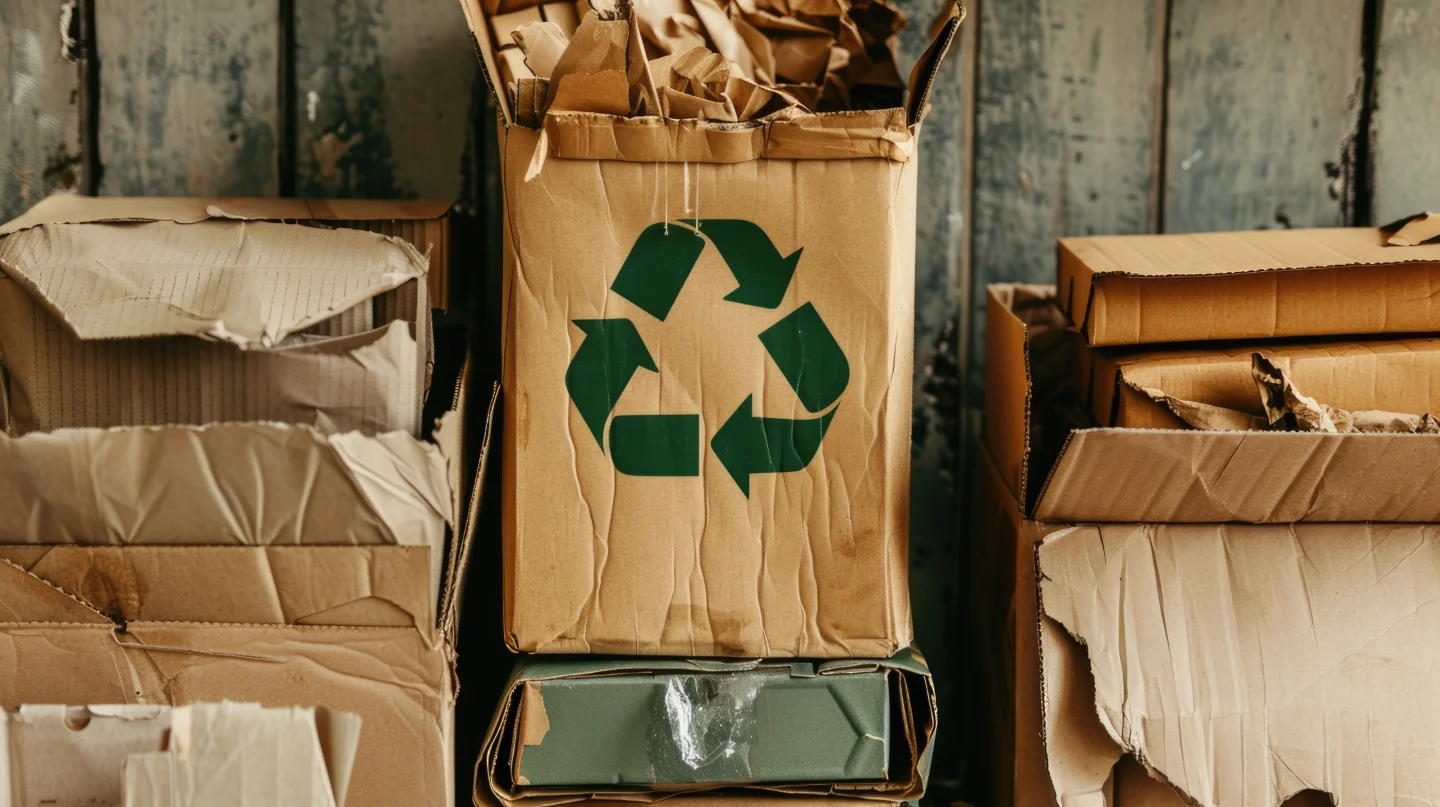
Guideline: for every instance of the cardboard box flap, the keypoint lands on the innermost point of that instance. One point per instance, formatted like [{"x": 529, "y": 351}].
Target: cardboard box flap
[
  {"x": 927, "y": 67},
  {"x": 245, "y": 484},
  {"x": 1244, "y": 664},
  {"x": 1421, "y": 228},
  {"x": 248, "y": 283},
  {"x": 1368, "y": 303},
  {"x": 27, "y": 598},
  {"x": 912, "y": 692},
  {"x": 1133, "y": 475},
  {"x": 383, "y": 586}
]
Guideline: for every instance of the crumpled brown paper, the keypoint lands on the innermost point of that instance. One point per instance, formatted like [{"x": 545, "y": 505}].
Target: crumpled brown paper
[{"x": 718, "y": 60}]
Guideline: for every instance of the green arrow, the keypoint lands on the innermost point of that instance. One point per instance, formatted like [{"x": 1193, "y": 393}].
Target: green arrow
[
  {"x": 763, "y": 274},
  {"x": 656, "y": 445},
  {"x": 809, "y": 357},
  {"x": 748, "y": 445},
  {"x": 608, "y": 356},
  {"x": 657, "y": 267}
]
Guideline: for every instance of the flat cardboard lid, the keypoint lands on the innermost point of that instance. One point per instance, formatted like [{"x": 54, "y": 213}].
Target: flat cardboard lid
[
  {"x": 249, "y": 283},
  {"x": 71, "y": 209}
]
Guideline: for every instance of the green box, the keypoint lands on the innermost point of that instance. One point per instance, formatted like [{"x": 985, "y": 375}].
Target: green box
[
  {"x": 778, "y": 723},
  {"x": 571, "y": 729}
]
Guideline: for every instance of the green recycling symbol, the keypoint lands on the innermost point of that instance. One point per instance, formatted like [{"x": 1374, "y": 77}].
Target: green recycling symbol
[{"x": 800, "y": 344}]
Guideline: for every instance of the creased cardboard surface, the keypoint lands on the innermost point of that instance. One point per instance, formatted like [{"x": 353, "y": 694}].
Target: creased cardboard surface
[
  {"x": 1245, "y": 663},
  {"x": 398, "y": 684},
  {"x": 812, "y": 562},
  {"x": 1247, "y": 285},
  {"x": 275, "y": 585},
  {"x": 248, "y": 283},
  {"x": 365, "y": 382},
  {"x": 253, "y": 484}
]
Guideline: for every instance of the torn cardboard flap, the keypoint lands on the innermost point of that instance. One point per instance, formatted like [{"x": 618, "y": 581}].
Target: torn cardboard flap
[
  {"x": 1421, "y": 228},
  {"x": 1246, "y": 663},
  {"x": 248, "y": 283}
]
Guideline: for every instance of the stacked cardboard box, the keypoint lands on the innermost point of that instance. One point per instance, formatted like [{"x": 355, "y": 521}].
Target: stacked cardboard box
[
  {"x": 1206, "y": 495},
  {"x": 708, "y": 300},
  {"x": 215, "y": 481}
]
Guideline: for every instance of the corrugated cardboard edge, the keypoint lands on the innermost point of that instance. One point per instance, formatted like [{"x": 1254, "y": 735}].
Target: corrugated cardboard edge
[
  {"x": 73, "y": 209},
  {"x": 922, "y": 80},
  {"x": 919, "y": 725}
]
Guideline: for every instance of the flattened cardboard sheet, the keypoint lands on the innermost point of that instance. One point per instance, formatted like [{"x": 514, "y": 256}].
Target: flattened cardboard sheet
[
  {"x": 1139, "y": 289},
  {"x": 382, "y": 586},
  {"x": 1245, "y": 663}
]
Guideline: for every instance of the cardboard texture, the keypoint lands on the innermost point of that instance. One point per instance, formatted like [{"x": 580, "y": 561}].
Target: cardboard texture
[
  {"x": 775, "y": 724},
  {"x": 75, "y": 755},
  {"x": 422, "y": 223},
  {"x": 704, "y": 329},
  {"x": 1246, "y": 663},
  {"x": 1062, "y": 472},
  {"x": 337, "y": 587},
  {"x": 1401, "y": 376},
  {"x": 1164, "y": 656},
  {"x": 232, "y": 320},
  {"x": 1137, "y": 289}
]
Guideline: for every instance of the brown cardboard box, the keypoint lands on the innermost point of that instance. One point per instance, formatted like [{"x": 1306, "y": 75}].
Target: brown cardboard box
[
  {"x": 1136, "y": 289},
  {"x": 1400, "y": 375},
  {"x": 707, "y": 333},
  {"x": 155, "y": 756},
  {"x": 179, "y": 313},
  {"x": 314, "y": 591},
  {"x": 1241, "y": 662}
]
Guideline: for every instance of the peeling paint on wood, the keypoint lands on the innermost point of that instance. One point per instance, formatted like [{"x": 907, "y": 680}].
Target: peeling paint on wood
[
  {"x": 1405, "y": 149},
  {"x": 1262, "y": 98},
  {"x": 383, "y": 97},
  {"x": 188, "y": 97},
  {"x": 39, "y": 118}
]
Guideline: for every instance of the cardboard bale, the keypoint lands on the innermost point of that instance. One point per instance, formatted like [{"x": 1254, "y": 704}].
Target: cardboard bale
[
  {"x": 1232, "y": 625},
  {"x": 579, "y": 730},
  {"x": 337, "y": 585},
  {"x": 1139, "y": 289},
  {"x": 227, "y": 752},
  {"x": 152, "y": 321},
  {"x": 707, "y": 328}
]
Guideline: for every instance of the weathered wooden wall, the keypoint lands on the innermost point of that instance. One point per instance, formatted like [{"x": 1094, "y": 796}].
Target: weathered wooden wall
[{"x": 1053, "y": 117}]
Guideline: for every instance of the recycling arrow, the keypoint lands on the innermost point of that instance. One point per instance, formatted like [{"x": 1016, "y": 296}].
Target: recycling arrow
[
  {"x": 608, "y": 357},
  {"x": 747, "y": 445},
  {"x": 664, "y": 255},
  {"x": 808, "y": 356}
]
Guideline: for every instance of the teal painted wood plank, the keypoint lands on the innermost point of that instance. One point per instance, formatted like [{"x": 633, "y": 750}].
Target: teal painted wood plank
[
  {"x": 385, "y": 98},
  {"x": 188, "y": 97},
  {"x": 39, "y": 116},
  {"x": 1262, "y": 99},
  {"x": 1406, "y": 118}
]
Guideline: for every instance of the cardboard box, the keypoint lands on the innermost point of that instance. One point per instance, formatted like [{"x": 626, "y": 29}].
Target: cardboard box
[
  {"x": 1401, "y": 375},
  {"x": 708, "y": 331},
  {"x": 1237, "y": 661},
  {"x": 293, "y": 613},
  {"x": 179, "y": 316},
  {"x": 1137, "y": 289},
  {"x": 155, "y": 756},
  {"x": 648, "y": 729}
]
